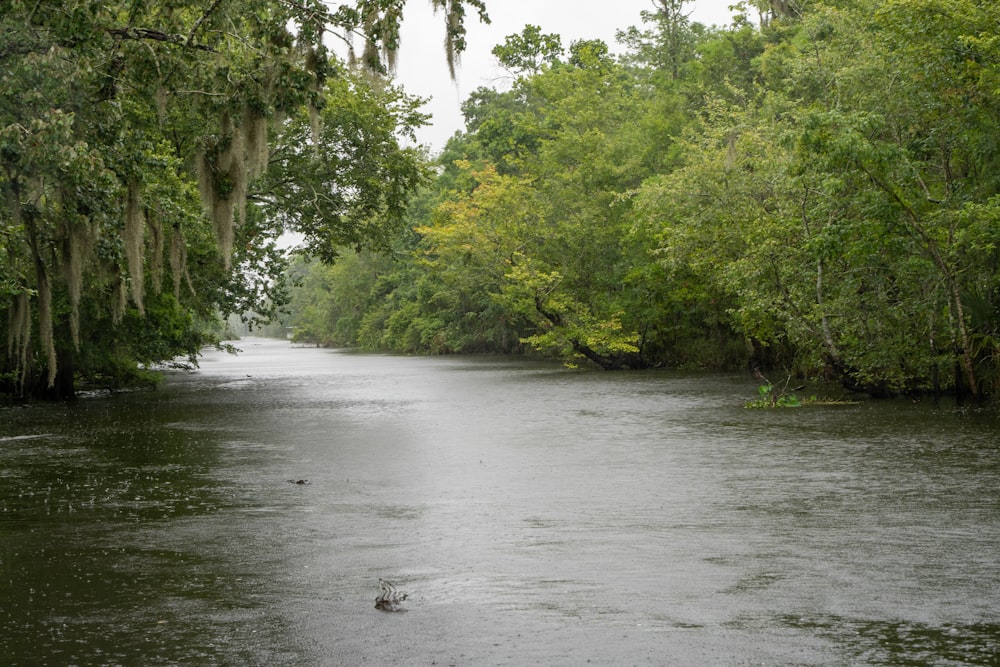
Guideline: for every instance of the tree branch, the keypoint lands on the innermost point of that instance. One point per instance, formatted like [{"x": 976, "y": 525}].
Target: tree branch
[
  {"x": 197, "y": 24},
  {"x": 139, "y": 34}
]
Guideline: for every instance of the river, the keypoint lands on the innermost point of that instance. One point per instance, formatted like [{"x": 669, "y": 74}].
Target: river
[{"x": 533, "y": 514}]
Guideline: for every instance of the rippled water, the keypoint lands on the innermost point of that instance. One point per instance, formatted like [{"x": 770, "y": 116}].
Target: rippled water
[{"x": 535, "y": 515}]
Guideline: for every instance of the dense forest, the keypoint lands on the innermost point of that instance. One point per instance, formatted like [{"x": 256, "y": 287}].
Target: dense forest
[
  {"x": 152, "y": 154},
  {"x": 813, "y": 188}
]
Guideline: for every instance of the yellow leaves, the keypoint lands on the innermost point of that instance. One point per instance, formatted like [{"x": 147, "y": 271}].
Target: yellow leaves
[
  {"x": 484, "y": 227},
  {"x": 608, "y": 335},
  {"x": 497, "y": 239}
]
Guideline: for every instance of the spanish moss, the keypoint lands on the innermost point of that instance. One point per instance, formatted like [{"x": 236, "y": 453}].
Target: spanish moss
[
  {"x": 75, "y": 247},
  {"x": 19, "y": 331},
  {"x": 133, "y": 238},
  {"x": 119, "y": 298},
  {"x": 155, "y": 227},
  {"x": 454, "y": 41},
  {"x": 255, "y": 143},
  {"x": 314, "y": 128},
  {"x": 44, "y": 286},
  {"x": 222, "y": 180},
  {"x": 160, "y": 100},
  {"x": 178, "y": 259}
]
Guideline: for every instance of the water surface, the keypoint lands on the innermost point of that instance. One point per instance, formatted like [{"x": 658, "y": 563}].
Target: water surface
[{"x": 536, "y": 515}]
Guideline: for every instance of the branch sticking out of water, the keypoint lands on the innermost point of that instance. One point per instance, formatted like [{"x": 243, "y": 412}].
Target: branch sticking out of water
[{"x": 389, "y": 599}]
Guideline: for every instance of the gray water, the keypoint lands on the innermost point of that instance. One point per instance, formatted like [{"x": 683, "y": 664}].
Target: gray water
[{"x": 535, "y": 515}]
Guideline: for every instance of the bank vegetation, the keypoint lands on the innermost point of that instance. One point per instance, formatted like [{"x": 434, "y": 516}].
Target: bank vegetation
[{"x": 813, "y": 188}]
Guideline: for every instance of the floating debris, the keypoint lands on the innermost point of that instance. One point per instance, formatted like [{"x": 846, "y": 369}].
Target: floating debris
[
  {"x": 389, "y": 599},
  {"x": 300, "y": 482}
]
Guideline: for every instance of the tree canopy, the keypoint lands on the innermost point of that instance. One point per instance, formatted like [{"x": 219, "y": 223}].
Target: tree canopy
[
  {"x": 152, "y": 153},
  {"x": 813, "y": 187}
]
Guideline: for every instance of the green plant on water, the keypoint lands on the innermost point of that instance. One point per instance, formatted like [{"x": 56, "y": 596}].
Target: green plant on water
[{"x": 771, "y": 397}]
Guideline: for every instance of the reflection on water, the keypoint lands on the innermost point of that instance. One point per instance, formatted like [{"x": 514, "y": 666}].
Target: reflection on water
[{"x": 534, "y": 514}]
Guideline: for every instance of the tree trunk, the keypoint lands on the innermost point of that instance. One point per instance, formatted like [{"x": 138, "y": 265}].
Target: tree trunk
[{"x": 604, "y": 361}]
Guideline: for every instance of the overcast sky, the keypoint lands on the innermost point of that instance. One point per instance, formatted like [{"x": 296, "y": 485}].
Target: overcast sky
[{"x": 423, "y": 71}]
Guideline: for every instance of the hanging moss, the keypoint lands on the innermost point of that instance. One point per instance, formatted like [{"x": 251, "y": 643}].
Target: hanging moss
[
  {"x": 187, "y": 280},
  {"x": 312, "y": 60},
  {"x": 233, "y": 165},
  {"x": 120, "y": 298},
  {"x": 43, "y": 284},
  {"x": 314, "y": 127},
  {"x": 155, "y": 227},
  {"x": 76, "y": 245},
  {"x": 454, "y": 41},
  {"x": 133, "y": 241},
  {"x": 206, "y": 187},
  {"x": 370, "y": 57},
  {"x": 19, "y": 329},
  {"x": 160, "y": 100},
  {"x": 178, "y": 259},
  {"x": 224, "y": 223},
  {"x": 44, "y": 287},
  {"x": 312, "y": 65},
  {"x": 222, "y": 180},
  {"x": 255, "y": 143},
  {"x": 19, "y": 312},
  {"x": 215, "y": 204}
]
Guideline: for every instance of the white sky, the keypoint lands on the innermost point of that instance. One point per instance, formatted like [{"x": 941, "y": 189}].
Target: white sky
[{"x": 423, "y": 71}]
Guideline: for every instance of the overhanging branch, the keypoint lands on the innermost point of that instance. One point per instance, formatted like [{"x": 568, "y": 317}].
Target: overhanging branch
[
  {"x": 197, "y": 24},
  {"x": 139, "y": 34}
]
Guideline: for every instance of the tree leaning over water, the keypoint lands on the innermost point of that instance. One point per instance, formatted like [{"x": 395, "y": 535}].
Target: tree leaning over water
[{"x": 151, "y": 153}]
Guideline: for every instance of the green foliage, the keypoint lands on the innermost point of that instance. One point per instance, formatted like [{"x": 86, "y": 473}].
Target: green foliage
[
  {"x": 818, "y": 192},
  {"x": 528, "y": 52},
  {"x": 152, "y": 153},
  {"x": 352, "y": 186},
  {"x": 769, "y": 398},
  {"x": 832, "y": 222}
]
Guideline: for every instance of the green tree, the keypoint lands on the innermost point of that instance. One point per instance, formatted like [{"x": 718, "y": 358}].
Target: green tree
[
  {"x": 845, "y": 224},
  {"x": 528, "y": 52},
  {"x": 817, "y": 192},
  {"x": 570, "y": 140},
  {"x": 669, "y": 44},
  {"x": 131, "y": 137},
  {"x": 351, "y": 187}
]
